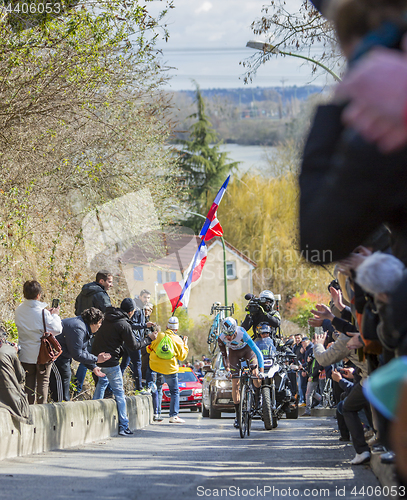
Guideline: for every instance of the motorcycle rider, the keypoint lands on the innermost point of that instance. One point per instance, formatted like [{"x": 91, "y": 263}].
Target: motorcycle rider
[
  {"x": 265, "y": 342},
  {"x": 265, "y": 314},
  {"x": 240, "y": 346}
]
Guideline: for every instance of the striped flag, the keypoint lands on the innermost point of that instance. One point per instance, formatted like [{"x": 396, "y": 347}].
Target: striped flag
[
  {"x": 212, "y": 227},
  {"x": 179, "y": 291}
]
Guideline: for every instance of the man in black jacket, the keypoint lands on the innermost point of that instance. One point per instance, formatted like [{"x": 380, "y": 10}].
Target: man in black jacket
[
  {"x": 92, "y": 295},
  {"x": 263, "y": 314},
  {"x": 115, "y": 331},
  {"x": 95, "y": 294}
]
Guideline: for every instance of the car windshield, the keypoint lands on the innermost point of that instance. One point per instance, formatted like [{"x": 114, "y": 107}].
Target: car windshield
[{"x": 186, "y": 377}]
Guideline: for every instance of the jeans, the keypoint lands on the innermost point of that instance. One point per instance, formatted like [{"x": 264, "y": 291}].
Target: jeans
[
  {"x": 151, "y": 379},
  {"x": 311, "y": 388},
  {"x": 114, "y": 378},
  {"x": 135, "y": 358},
  {"x": 80, "y": 377},
  {"x": 172, "y": 381}
]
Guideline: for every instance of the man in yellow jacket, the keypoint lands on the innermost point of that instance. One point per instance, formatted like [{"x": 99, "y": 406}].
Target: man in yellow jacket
[{"x": 165, "y": 352}]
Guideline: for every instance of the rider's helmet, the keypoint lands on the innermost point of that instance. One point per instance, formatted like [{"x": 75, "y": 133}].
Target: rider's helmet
[
  {"x": 264, "y": 328},
  {"x": 269, "y": 296},
  {"x": 229, "y": 326}
]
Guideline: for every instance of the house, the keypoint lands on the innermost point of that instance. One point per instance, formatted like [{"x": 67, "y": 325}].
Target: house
[{"x": 165, "y": 258}]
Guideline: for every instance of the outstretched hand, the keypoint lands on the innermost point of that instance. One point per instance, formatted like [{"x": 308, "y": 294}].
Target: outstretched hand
[{"x": 98, "y": 372}]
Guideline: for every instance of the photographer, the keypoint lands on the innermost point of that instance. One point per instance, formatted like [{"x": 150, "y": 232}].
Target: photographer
[{"x": 260, "y": 310}]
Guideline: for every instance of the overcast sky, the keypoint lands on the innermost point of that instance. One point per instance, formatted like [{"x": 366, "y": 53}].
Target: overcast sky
[{"x": 208, "y": 40}]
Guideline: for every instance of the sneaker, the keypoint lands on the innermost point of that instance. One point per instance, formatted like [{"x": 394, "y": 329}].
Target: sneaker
[
  {"x": 302, "y": 404},
  {"x": 319, "y": 407},
  {"x": 158, "y": 418},
  {"x": 236, "y": 424},
  {"x": 176, "y": 420},
  {"x": 144, "y": 392},
  {"x": 388, "y": 458},
  {"x": 361, "y": 458},
  {"x": 306, "y": 414},
  {"x": 379, "y": 448},
  {"x": 344, "y": 439},
  {"x": 125, "y": 432}
]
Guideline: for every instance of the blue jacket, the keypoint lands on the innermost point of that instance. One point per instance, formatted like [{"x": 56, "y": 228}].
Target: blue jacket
[{"x": 74, "y": 340}]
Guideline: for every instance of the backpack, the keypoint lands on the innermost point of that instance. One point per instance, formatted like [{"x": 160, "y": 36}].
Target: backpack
[{"x": 165, "y": 348}]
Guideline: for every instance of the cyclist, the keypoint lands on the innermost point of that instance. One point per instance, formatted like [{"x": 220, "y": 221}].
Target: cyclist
[
  {"x": 265, "y": 314},
  {"x": 240, "y": 346}
]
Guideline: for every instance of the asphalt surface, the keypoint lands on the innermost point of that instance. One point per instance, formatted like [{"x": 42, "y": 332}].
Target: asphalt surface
[{"x": 202, "y": 458}]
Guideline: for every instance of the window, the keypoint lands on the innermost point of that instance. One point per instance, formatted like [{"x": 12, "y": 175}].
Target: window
[
  {"x": 231, "y": 270},
  {"x": 171, "y": 276},
  {"x": 159, "y": 276},
  {"x": 138, "y": 274}
]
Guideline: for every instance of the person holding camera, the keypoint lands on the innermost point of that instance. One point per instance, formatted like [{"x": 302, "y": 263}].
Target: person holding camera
[
  {"x": 165, "y": 352},
  {"x": 261, "y": 310},
  {"x": 30, "y": 317}
]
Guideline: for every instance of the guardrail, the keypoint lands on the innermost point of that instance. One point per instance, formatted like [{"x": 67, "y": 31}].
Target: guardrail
[{"x": 63, "y": 425}]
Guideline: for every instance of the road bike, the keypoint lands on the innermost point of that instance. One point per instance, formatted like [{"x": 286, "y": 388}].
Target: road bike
[
  {"x": 247, "y": 405},
  {"x": 214, "y": 332}
]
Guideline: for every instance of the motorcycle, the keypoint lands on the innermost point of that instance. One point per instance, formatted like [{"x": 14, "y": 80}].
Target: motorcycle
[{"x": 279, "y": 390}]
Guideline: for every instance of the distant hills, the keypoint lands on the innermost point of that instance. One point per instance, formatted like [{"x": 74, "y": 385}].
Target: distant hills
[
  {"x": 249, "y": 116},
  {"x": 246, "y": 95}
]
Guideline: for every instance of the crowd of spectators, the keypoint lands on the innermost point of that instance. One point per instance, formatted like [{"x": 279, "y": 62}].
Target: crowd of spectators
[
  {"x": 101, "y": 338},
  {"x": 353, "y": 211}
]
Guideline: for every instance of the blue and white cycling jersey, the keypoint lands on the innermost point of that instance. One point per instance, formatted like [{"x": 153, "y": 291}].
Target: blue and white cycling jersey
[{"x": 241, "y": 340}]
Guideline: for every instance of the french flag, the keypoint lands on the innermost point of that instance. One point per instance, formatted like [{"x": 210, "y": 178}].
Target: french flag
[
  {"x": 212, "y": 227},
  {"x": 179, "y": 291}
]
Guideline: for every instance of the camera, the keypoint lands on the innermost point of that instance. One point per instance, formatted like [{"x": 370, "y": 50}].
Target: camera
[{"x": 257, "y": 304}]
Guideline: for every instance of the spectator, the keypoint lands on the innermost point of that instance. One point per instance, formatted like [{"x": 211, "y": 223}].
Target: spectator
[
  {"x": 12, "y": 376},
  {"x": 313, "y": 370},
  {"x": 30, "y": 325},
  {"x": 95, "y": 294},
  {"x": 115, "y": 331},
  {"x": 92, "y": 295},
  {"x": 169, "y": 367},
  {"x": 74, "y": 339},
  {"x": 142, "y": 299},
  {"x": 141, "y": 327}
]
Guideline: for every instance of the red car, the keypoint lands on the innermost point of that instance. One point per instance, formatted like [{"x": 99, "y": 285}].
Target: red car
[{"x": 190, "y": 391}]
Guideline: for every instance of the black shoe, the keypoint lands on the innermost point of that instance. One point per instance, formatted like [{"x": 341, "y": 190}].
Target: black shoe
[
  {"x": 125, "y": 432},
  {"x": 345, "y": 439},
  {"x": 236, "y": 424}
]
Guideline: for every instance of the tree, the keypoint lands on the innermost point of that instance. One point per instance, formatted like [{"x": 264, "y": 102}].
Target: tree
[
  {"x": 294, "y": 31},
  {"x": 83, "y": 120},
  {"x": 203, "y": 166}
]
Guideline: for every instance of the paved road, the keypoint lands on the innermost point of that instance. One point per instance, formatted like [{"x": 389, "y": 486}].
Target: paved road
[{"x": 196, "y": 460}]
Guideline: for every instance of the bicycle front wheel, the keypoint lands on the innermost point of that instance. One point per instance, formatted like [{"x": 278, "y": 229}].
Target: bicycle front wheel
[{"x": 244, "y": 411}]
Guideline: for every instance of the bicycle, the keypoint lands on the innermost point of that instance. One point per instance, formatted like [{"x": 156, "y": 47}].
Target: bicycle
[
  {"x": 214, "y": 331},
  {"x": 247, "y": 402}
]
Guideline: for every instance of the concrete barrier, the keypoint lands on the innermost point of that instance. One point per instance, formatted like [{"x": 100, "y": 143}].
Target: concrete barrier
[{"x": 63, "y": 425}]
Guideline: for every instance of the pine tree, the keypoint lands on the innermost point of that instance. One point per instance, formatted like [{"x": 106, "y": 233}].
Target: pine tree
[{"x": 204, "y": 167}]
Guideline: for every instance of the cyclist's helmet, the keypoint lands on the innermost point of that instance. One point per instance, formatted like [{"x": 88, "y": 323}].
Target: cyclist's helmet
[
  {"x": 267, "y": 294},
  {"x": 229, "y": 326},
  {"x": 264, "y": 328}
]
